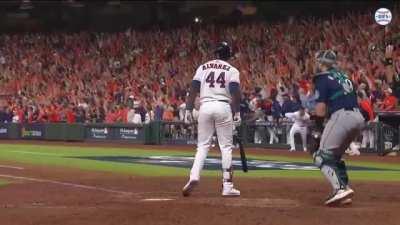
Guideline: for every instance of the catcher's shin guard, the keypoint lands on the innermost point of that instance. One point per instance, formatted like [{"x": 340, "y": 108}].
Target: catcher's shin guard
[
  {"x": 328, "y": 164},
  {"x": 342, "y": 170}
]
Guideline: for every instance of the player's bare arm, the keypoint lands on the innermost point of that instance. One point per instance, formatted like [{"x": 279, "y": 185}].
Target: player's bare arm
[{"x": 389, "y": 67}]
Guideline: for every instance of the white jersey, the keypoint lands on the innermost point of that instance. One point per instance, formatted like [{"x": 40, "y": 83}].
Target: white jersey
[
  {"x": 215, "y": 76},
  {"x": 298, "y": 120}
]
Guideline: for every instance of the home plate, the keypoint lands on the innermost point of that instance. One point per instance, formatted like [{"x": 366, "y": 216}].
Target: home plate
[{"x": 156, "y": 199}]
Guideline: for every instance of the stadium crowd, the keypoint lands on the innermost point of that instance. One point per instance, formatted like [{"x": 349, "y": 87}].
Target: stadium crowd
[{"x": 139, "y": 76}]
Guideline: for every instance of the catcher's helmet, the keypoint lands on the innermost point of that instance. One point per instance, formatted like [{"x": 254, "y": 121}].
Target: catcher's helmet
[
  {"x": 327, "y": 57},
  {"x": 223, "y": 51}
]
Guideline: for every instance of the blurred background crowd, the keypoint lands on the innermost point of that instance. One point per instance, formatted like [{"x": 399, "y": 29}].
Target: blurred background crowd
[{"x": 139, "y": 76}]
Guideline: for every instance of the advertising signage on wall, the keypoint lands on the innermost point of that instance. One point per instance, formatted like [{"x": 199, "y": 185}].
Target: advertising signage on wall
[
  {"x": 114, "y": 133},
  {"x": 127, "y": 133},
  {"x": 32, "y": 131},
  {"x": 3, "y": 131},
  {"x": 98, "y": 133}
]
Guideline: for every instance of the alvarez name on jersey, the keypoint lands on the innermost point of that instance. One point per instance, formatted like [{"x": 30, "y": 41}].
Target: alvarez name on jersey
[{"x": 215, "y": 76}]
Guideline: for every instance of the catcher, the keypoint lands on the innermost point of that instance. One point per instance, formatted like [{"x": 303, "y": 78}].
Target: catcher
[{"x": 336, "y": 101}]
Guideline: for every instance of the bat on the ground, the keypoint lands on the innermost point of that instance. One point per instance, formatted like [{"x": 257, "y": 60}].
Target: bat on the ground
[{"x": 238, "y": 140}]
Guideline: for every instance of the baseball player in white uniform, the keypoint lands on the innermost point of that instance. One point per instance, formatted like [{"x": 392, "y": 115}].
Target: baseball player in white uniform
[
  {"x": 219, "y": 86},
  {"x": 301, "y": 119}
]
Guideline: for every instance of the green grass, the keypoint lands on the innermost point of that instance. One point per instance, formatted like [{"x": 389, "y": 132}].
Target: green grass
[{"x": 61, "y": 156}]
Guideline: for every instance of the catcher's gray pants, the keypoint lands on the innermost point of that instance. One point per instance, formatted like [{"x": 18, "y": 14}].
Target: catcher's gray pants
[{"x": 342, "y": 128}]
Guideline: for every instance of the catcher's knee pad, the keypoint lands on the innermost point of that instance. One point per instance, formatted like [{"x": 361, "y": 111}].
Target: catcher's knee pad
[{"x": 324, "y": 158}]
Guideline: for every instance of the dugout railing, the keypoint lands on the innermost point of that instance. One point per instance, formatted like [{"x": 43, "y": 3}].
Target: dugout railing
[{"x": 256, "y": 134}]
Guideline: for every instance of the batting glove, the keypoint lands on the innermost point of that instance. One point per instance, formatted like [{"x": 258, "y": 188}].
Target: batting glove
[
  {"x": 189, "y": 117},
  {"x": 236, "y": 119}
]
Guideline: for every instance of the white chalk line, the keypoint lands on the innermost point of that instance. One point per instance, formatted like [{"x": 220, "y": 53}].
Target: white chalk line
[
  {"x": 12, "y": 167},
  {"x": 156, "y": 199},
  {"x": 87, "y": 187},
  {"x": 81, "y": 186}
]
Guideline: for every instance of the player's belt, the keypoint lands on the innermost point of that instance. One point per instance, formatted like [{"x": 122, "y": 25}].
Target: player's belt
[
  {"x": 352, "y": 109},
  {"x": 226, "y": 101}
]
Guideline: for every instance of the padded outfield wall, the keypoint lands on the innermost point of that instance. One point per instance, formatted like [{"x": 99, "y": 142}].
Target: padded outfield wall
[{"x": 174, "y": 133}]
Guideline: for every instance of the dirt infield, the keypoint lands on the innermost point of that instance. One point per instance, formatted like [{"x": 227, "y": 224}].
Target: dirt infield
[{"x": 40, "y": 195}]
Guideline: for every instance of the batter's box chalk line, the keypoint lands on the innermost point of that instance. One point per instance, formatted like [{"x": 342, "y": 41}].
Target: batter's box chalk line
[
  {"x": 68, "y": 184},
  {"x": 123, "y": 194},
  {"x": 156, "y": 199},
  {"x": 12, "y": 167}
]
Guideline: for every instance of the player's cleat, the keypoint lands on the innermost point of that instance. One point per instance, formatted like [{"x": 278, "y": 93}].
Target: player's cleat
[
  {"x": 188, "y": 188},
  {"x": 305, "y": 150},
  {"x": 292, "y": 150},
  {"x": 347, "y": 201},
  {"x": 339, "y": 196},
  {"x": 229, "y": 191}
]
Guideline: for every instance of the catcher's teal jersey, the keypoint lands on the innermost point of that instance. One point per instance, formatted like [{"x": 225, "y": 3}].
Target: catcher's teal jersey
[{"x": 335, "y": 89}]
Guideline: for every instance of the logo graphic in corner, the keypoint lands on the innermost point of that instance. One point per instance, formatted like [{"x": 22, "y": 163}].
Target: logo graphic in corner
[{"x": 383, "y": 16}]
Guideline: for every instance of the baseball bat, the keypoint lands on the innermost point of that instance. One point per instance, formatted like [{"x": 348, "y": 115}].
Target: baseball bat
[{"x": 242, "y": 152}]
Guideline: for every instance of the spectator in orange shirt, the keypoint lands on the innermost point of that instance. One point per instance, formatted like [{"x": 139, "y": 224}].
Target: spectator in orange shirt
[
  {"x": 366, "y": 106},
  {"x": 369, "y": 115},
  {"x": 71, "y": 114},
  {"x": 168, "y": 114},
  {"x": 389, "y": 102},
  {"x": 123, "y": 114},
  {"x": 111, "y": 116},
  {"x": 54, "y": 116},
  {"x": 43, "y": 115}
]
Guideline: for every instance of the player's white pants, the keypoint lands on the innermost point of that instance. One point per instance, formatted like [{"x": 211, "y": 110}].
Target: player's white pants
[
  {"x": 272, "y": 136},
  {"x": 214, "y": 116},
  {"x": 368, "y": 137},
  {"x": 258, "y": 135},
  {"x": 303, "y": 132}
]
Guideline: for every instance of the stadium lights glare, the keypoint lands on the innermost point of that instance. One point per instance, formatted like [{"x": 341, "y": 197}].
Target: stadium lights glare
[{"x": 25, "y": 5}]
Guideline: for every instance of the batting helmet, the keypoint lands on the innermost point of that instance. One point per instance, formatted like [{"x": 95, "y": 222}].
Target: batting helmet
[
  {"x": 223, "y": 51},
  {"x": 327, "y": 57}
]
